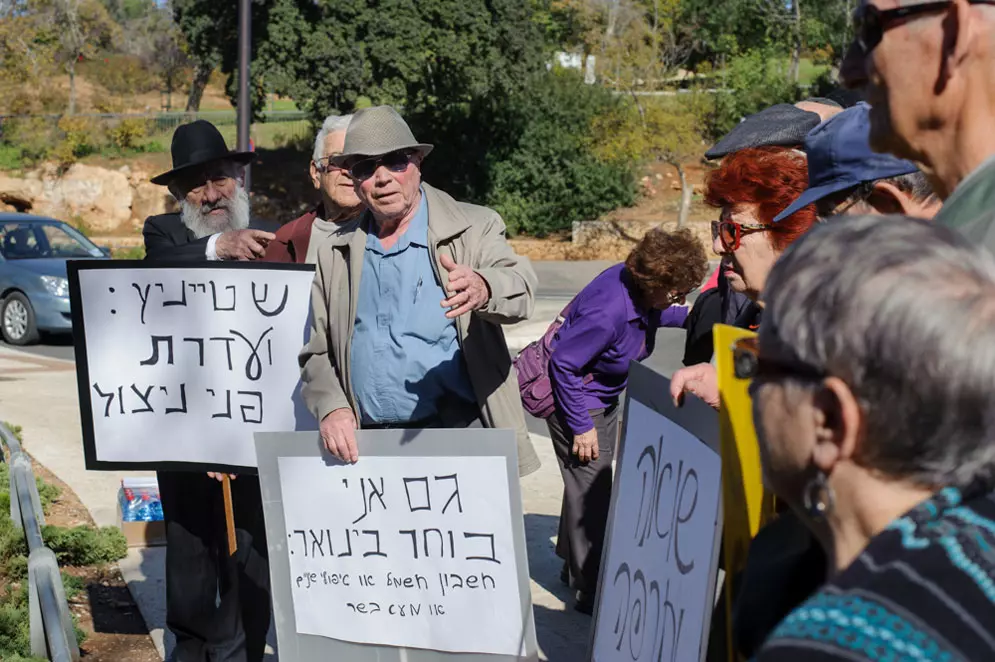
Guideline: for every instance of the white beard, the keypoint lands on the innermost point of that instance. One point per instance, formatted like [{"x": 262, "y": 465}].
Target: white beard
[{"x": 196, "y": 217}]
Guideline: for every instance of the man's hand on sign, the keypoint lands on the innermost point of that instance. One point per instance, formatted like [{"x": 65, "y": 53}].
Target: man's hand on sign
[
  {"x": 219, "y": 476},
  {"x": 586, "y": 446},
  {"x": 468, "y": 291},
  {"x": 700, "y": 380},
  {"x": 242, "y": 244},
  {"x": 338, "y": 431}
]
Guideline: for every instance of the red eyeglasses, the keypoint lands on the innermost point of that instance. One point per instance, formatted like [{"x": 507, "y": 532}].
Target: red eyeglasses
[{"x": 731, "y": 233}]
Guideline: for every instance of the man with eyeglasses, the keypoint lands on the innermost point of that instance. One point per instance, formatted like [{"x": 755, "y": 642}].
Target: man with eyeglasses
[
  {"x": 408, "y": 303},
  {"x": 928, "y": 71},
  {"x": 847, "y": 178},
  {"x": 298, "y": 240}
]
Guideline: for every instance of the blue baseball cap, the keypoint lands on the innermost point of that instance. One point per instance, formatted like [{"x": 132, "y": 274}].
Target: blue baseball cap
[{"x": 840, "y": 157}]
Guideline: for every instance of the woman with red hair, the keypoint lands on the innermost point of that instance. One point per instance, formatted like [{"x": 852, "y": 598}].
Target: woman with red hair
[
  {"x": 750, "y": 188},
  {"x": 785, "y": 563}
]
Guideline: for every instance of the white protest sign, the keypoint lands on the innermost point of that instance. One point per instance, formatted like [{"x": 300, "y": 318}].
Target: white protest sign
[
  {"x": 414, "y": 552},
  {"x": 657, "y": 575},
  {"x": 184, "y": 365}
]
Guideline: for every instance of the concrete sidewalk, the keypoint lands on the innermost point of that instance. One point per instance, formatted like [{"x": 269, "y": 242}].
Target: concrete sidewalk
[{"x": 40, "y": 394}]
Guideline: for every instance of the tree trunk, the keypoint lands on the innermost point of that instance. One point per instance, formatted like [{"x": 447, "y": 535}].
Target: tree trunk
[
  {"x": 796, "y": 43},
  {"x": 202, "y": 74},
  {"x": 687, "y": 193},
  {"x": 72, "y": 86}
]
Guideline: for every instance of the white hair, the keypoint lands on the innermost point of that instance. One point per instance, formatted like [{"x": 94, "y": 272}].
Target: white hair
[
  {"x": 332, "y": 124},
  {"x": 196, "y": 217},
  {"x": 901, "y": 310}
]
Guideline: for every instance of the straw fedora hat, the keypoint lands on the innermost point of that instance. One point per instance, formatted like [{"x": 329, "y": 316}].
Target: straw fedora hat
[{"x": 377, "y": 131}]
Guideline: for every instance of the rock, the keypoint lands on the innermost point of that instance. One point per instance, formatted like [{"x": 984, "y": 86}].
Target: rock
[
  {"x": 149, "y": 200},
  {"x": 4, "y": 207},
  {"x": 98, "y": 198},
  {"x": 20, "y": 193}
]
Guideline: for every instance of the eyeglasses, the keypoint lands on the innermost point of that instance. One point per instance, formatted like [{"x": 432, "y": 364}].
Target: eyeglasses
[
  {"x": 731, "y": 233},
  {"x": 870, "y": 23},
  {"x": 748, "y": 364},
  {"x": 393, "y": 161},
  {"x": 325, "y": 165}
]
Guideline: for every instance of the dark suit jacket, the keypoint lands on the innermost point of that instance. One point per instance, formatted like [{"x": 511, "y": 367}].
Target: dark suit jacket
[{"x": 166, "y": 238}]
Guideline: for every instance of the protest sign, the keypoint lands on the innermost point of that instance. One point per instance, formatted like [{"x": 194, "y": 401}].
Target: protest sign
[
  {"x": 178, "y": 366},
  {"x": 658, "y": 572},
  {"x": 416, "y": 552}
]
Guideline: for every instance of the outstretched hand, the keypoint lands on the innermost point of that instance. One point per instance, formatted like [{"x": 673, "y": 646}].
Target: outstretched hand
[
  {"x": 467, "y": 290},
  {"x": 700, "y": 380}
]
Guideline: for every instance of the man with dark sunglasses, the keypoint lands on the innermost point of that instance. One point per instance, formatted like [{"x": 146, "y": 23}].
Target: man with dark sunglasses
[
  {"x": 408, "y": 303},
  {"x": 928, "y": 70}
]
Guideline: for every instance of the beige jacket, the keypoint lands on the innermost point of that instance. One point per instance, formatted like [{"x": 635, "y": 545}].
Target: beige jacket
[{"x": 471, "y": 235}]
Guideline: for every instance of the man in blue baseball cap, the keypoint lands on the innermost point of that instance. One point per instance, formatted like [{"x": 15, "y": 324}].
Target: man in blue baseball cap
[{"x": 846, "y": 177}]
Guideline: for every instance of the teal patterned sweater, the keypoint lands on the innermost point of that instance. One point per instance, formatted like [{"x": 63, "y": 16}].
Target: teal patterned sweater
[{"x": 922, "y": 591}]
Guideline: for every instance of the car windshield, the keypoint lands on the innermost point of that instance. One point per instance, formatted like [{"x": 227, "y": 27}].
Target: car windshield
[{"x": 22, "y": 241}]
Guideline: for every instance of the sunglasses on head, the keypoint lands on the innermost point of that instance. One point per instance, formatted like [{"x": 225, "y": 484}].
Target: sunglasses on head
[
  {"x": 748, "y": 364},
  {"x": 731, "y": 233},
  {"x": 870, "y": 23},
  {"x": 394, "y": 161}
]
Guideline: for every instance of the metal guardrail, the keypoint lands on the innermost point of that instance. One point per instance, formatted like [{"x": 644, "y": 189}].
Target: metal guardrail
[{"x": 52, "y": 633}]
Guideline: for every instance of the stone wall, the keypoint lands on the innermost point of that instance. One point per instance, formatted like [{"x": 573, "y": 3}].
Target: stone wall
[{"x": 101, "y": 200}]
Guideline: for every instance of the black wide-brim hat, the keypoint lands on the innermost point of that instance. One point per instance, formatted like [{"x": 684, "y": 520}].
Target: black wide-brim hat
[{"x": 196, "y": 144}]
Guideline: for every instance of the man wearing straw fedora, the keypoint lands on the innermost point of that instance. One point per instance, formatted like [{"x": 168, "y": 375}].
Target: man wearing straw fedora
[
  {"x": 408, "y": 303},
  {"x": 217, "y": 605}
]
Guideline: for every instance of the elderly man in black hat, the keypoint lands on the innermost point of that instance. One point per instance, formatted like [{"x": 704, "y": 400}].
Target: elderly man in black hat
[
  {"x": 408, "y": 303},
  {"x": 217, "y": 605},
  {"x": 213, "y": 222}
]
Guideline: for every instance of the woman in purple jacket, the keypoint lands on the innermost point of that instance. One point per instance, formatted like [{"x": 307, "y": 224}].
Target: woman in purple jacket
[{"x": 612, "y": 321}]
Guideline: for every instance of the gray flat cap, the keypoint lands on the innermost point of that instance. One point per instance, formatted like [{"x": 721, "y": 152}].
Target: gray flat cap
[
  {"x": 782, "y": 125},
  {"x": 377, "y": 131}
]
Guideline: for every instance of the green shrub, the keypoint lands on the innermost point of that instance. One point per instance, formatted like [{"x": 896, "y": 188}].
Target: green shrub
[
  {"x": 530, "y": 156},
  {"x": 754, "y": 80},
  {"x": 48, "y": 493},
  {"x": 79, "y": 138},
  {"x": 11, "y": 157},
  {"x": 85, "y": 545},
  {"x": 128, "y": 133}
]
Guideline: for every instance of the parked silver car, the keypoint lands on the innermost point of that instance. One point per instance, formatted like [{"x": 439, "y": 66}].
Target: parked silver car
[{"x": 34, "y": 291}]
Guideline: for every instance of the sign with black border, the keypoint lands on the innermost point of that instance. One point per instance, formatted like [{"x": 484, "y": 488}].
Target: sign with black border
[{"x": 263, "y": 346}]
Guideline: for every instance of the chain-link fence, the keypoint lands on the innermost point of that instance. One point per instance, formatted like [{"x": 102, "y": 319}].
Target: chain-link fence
[{"x": 27, "y": 138}]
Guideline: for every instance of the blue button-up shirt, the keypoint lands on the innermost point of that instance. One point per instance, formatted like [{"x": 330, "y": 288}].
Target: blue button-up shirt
[{"x": 405, "y": 352}]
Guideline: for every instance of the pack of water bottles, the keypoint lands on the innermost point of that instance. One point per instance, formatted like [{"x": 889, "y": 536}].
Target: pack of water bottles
[{"x": 139, "y": 500}]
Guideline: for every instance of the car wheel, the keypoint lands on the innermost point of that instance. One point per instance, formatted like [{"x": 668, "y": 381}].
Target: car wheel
[{"x": 17, "y": 320}]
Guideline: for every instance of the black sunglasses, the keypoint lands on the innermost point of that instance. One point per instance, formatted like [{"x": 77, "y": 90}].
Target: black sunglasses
[
  {"x": 394, "y": 161},
  {"x": 870, "y": 23},
  {"x": 748, "y": 364}
]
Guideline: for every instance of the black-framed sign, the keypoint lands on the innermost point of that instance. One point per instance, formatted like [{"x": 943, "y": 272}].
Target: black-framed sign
[
  {"x": 660, "y": 564},
  {"x": 178, "y": 364}
]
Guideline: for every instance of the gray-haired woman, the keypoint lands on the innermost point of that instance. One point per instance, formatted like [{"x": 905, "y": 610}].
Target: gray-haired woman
[{"x": 874, "y": 402}]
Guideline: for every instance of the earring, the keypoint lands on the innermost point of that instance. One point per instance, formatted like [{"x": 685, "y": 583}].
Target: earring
[{"x": 818, "y": 497}]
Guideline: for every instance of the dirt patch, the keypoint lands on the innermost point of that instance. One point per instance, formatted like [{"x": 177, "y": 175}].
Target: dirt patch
[
  {"x": 658, "y": 206},
  {"x": 106, "y": 611}
]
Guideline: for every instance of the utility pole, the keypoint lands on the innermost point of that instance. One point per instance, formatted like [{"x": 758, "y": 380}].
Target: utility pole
[{"x": 244, "y": 103}]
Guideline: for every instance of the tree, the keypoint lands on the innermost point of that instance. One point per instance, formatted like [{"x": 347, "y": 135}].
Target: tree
[
  {"x": 653, "y": 131},
  {"x": 156, "y": 39},
  {"x": 78, "y": 28}
]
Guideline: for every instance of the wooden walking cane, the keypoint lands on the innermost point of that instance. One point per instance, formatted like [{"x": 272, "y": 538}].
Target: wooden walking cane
[{"x": 229, "y": 515}]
